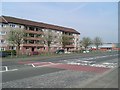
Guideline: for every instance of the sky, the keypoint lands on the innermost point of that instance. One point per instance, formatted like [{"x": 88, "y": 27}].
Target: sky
[{"x": 91, "y": 19}]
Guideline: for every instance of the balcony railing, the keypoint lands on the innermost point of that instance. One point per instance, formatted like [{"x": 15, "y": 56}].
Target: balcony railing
[
  {"x": 71, "y": 36},
  {"x": 34, "y": 32},
  {"x": 70, "y": 46},
  {"x": 32, "y": 38},
  {"x": 32, "y": 45}
]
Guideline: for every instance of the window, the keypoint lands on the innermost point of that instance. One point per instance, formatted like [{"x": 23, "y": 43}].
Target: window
[
  {"x": 37, "y": 42},
  {"x": 27, "y": 47},
  {"x": 31, "y": 28},
  {"x": 38, "y": 47},
  {"x": 25, "y": 42},
  {"x": 77, "y": 39},
  {"x": 2, "y": 49},
  {"x": 31, "y": 35},
  {"x": 12, "y": 25},
  {"x": 19, "y": 26},
  {"x": 44, "y": 48},
  {"x": 12, "y": 48},
  {"x": 38, "y": 35},
  {"x": 36, "y": 29},
  {"x": 40, "y": 29},
  {"x": 2, "y": 25},
  {"x": 2, "y": 33},
  {"x": 31, "y": 41},
  {"x": 55, "y": 42},
  {"x": 2, "y": 41},
  {"x": 25, "y": 35},
  {"x": 25, "y": 27}
]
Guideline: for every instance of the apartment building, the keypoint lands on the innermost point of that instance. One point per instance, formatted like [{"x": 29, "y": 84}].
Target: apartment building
[{"x": 34, "y": 35}]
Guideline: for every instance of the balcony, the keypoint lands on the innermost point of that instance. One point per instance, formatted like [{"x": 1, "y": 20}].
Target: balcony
[
  {"x": 70, "y": 46},
  {"x": 32, "y": 45},
  {"x": 70, "y": 36},
  {"x": 2, "y": 36},
  {"x": 33, "y": 32},
  {"x": 32, "y": 38},
  {"x": 72, "y": 41}
]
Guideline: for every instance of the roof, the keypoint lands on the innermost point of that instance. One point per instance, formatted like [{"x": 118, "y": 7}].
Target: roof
[{"x": 8, "y": 19}]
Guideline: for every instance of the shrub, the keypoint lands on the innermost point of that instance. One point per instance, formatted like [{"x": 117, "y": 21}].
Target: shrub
[{"x": 9, "y": 52}]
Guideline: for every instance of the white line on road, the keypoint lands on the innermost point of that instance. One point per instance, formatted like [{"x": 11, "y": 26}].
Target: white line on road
[
  {"x": 9, "y": 70},
  {"x": 33, "y": 65},
  {"x": 6, "y": 68}
]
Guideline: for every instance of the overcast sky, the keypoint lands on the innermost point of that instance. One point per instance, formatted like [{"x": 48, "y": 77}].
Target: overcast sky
[{"x": 89, "y": 18}]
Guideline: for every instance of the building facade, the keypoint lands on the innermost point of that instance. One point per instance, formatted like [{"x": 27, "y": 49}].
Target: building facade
[{"x": 34, "y": 39}]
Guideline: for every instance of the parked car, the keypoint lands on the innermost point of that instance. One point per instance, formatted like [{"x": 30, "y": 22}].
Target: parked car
[
  {"x": 87, "y": 51},
  {"x": 60, "y": 51},
  {"x": 67, "y": 52},
  {"x": 3, "y": 54}
]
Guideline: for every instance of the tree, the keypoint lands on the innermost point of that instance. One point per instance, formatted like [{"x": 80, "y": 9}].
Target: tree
[
  {"x": 48, "y": 36},
  {"x": 97, "y": 42},
  {"x": 86, "y": 41},
  {"x": 15, "y": 37},
  {"x": 65, "y": 41}
]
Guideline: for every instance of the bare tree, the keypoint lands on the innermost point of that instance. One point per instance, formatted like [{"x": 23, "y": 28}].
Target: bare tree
[
  {"x": 97, "y": 42},
  {"x": 86, "y": 41},
  {"x": 15, "y": 37},
  {"x": 48, "y": 38},
  {"x": 65, "y": 40}
]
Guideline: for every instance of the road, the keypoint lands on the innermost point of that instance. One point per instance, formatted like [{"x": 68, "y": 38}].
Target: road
[{"x": 65, "y": 71}]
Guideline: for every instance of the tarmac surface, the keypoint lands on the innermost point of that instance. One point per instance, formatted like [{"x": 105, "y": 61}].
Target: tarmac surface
[{"x": 71, "y": 71}]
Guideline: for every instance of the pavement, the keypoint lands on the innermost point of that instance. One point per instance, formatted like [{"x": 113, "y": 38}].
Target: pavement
[
  {"x": 101, "y": 81},
  {"x": 63, "y": 71}
]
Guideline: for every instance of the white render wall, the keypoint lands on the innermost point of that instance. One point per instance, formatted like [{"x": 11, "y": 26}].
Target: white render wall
[
  {"x": 76, "y": 41},
  {"x": 4, "y": 29}
]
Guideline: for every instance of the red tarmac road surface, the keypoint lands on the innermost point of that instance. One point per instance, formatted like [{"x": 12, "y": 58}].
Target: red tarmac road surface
[
  {"x": 68, "y": 66},
  {"x": 80, "y": 68}
]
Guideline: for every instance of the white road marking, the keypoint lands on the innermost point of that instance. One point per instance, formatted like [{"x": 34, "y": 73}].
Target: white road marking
[
  {"x": 87, "y": 61},
  {"x": 48, "y": 64},
  {"x": 6, "y": 68},
  {"x": 109, "y": 65},
  {"x": 9, "y": 70},
  {"x": 83, "y": 61},
  {"x": 33, "y": 65},
  {"x": 92, "y": 63}
]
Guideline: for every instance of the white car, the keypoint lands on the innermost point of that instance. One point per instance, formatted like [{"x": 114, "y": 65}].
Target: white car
[
  {"x": 86, "y": 51},
  {"x": 67, "y": 52}
]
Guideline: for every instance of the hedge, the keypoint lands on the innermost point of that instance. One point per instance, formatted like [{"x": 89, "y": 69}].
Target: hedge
[{"x": 9, "y": 52}]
